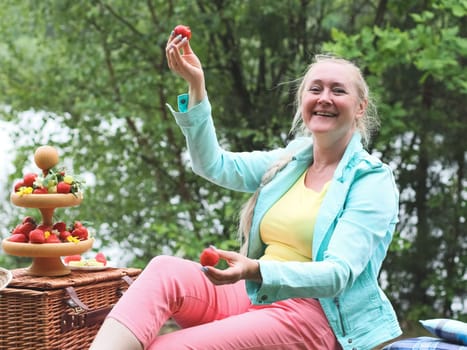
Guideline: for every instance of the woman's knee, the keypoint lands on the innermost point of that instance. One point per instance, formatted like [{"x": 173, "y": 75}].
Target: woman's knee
[{"x": 165, "y": 260}]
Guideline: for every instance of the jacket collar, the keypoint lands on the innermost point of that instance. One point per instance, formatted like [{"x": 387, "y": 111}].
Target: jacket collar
[
  {"x": 353, "y": 148},
  {"x": 305, "y": 153}
]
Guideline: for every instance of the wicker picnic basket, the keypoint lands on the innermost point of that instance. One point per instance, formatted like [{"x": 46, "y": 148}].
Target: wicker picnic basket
[{"x": 58, "y": 313}]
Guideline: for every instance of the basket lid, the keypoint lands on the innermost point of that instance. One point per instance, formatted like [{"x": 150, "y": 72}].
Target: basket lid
[
  {"x": 22, "y": 280},
  {"x": 5, "y": 277}
]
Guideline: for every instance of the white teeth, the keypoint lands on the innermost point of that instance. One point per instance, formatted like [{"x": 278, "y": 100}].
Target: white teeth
[{"x": 325, "y": 114}]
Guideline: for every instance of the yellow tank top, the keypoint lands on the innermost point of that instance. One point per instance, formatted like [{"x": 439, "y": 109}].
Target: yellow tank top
[{"x": 287, "y": 227}]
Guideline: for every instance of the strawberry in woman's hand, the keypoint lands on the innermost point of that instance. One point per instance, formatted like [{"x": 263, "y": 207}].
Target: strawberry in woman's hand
[
  {"x": 209, "y": 257},
  {"x": 183, "y": 30}
]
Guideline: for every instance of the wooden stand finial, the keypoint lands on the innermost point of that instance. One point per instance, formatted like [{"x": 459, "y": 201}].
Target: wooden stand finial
[{"x": 46, "y": 157}]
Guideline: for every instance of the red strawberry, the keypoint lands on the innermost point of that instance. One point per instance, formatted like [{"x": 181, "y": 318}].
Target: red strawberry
[
  {"x": 18, "y": 185},
  {"x": 60, "y": 226},
  {"x": 17, "y": 229},
  {"x": 64, "y": 235},
  {"x": 28, "y": 226},
  {"x": 80, "y": 232},
  {"x": 37, "y": 236},
  {"x": 183, "y": 30},
  {"x": 63, "y": 187},
  {"x": 24, "y": 229},
  {"x": 100, "y": 257},
  {"x": 28, "y": 179},
  {"x": 69, "y": 258},
  {"x": 29, "y": 219},
  {"x": 209, "y": 257},
  {"x": 52, "y": 238},
  {"x": 18, "y": 238},
  {"x": 40, "y": 190}
]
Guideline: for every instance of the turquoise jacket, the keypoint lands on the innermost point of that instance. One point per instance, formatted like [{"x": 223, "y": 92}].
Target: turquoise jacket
[{"x": 351, "y": 236}]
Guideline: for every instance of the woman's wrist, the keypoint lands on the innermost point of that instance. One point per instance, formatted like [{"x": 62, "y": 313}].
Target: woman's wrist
[
  {"x": 253, "y": 272},
  {"x": 197, "y": 93}
]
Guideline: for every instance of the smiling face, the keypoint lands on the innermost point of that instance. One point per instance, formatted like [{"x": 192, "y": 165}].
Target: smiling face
[{"x": 330, "y": 102}]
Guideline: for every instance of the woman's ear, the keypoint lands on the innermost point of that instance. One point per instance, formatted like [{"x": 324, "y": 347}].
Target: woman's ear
[{"x": 361, "y": 108}]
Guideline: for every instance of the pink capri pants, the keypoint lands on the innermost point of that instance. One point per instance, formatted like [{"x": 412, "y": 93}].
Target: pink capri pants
[{"x": 215, "y": 317}]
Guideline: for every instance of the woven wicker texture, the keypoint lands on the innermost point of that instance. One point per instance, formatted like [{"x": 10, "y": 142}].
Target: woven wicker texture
[{"x": 32, "y": 308}]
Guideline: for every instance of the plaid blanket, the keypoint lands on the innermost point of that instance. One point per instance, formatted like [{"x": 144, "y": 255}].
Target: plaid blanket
[{"x": 423, "y": 343}]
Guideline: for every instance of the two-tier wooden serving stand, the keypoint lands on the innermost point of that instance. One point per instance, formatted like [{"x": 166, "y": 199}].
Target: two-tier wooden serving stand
[{"x": 46, "y": 258}]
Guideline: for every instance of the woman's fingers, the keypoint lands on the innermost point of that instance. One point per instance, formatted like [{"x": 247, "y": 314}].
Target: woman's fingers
[
  {"x": 173, "y": 52},
  {"x": 232, "y": 274},
  {"x": 219, "y": 277},
  {"x": 230, "y": 257},
  {"x": 172, "y": 44},
  {"x": 240, "y": 267},
  {"x": 182, "y": 60},
  {"x": 185, "y": 44},
  {"x": 171, "y": 35}
]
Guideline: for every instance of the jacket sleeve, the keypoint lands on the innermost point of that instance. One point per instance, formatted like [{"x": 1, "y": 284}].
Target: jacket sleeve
[
  {"x": 240, "y": 171},
  {"x": 356, "y": 241}
]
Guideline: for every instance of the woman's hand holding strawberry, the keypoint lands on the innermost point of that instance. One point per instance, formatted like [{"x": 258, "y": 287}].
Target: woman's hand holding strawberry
[
  {"x": 240, "y": 267},
  {"x": 182, "y": 60}
]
